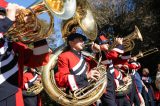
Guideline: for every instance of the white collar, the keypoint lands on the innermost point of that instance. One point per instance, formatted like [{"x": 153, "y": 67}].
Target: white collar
[{"x": 4, "y": 48}]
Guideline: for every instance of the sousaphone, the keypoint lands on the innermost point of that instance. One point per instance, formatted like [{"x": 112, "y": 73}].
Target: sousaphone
[
  {"x": 29, "y": 28},
  {"x": 94, "y": 91}
]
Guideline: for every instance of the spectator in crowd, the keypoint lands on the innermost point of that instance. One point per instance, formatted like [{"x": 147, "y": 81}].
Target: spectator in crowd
[
  {"x": 157, "y": 83},
  {"x": 147, "y": 92}
]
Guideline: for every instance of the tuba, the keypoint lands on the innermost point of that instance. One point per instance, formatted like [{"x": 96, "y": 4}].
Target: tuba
[
  {"x": 125, "y": 88},
  {"x": 35, "y": 89},
  {"x": 29, "y": 28},
  {"x": 84, "y": 19},
  {"x": 83, "y": 96}
]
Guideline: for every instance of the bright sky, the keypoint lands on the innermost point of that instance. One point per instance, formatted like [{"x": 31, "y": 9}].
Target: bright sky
[{"x": 24, "y": 3}]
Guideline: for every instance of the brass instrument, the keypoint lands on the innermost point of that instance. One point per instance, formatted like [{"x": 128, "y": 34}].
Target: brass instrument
[
  {"x": 84, "y": 96},
  {"x": 125, "y": 88},
  {"x": 29, "y": 28},
  {"x": 128, "y": 40},
  {"x": 36, "y": 88},
  {"x": 92, "y": 89},
  {"x": 88, "y": 95},
  {"x": 83, "y": 19},
  {"x": 146, "y": 53}
]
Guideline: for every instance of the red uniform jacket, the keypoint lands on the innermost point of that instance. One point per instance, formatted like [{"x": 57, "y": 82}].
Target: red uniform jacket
[
  {"x": 28, "y": 79},
  {"x": 72, "y": 69}
]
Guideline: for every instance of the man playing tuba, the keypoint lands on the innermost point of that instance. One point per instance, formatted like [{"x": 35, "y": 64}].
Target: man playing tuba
[{"x": 74, "y": 70}]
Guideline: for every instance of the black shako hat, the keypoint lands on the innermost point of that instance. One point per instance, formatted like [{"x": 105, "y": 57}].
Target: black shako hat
[
  {"x": 2, "y": 10},
  {"x": 72, "y": 36},
  {"x": 3, "y": 5}
]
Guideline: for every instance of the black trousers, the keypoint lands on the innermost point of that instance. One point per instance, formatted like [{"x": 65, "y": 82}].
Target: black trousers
[
  {"x": 30, "y": 100},
  {"x": 108, "y": 98},
  {"x": 123, "y": 101},
  {"x": 148, "y": 97},
  {"x": 9, "y": 101},
  {"x": 133, "y": 95}
]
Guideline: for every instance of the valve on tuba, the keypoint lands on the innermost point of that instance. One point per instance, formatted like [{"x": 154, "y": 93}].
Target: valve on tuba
[
  {"x": 29, "y": 28},
  {"x": 35, "y": 89}
]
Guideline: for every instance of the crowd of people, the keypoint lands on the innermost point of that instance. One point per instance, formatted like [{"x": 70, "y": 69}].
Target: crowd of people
[{"x": 74, "y": 68}]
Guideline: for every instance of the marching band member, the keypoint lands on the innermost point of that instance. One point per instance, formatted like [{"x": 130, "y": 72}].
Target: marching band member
[
  {"x": 74, "y": 69},
  {"x": 30, "y": 78},
  {"x": 13, "y": 57},
  {"x": 135, "y": 94},
  {"x": 119, "y": 58},
  {"x": 127, "y": 65},
  {"x": 116, "y": 60},
  {"x": 109, "y": 58},
  {"x": 147, "y": 91}
]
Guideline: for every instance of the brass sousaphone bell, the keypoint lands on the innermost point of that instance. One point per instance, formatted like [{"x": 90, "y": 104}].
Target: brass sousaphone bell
[
  {"x": 28, "y": 28},
  {"x": 84, "y": 19}
]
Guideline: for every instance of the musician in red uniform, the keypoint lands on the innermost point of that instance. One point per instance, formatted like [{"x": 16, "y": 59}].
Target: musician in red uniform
[
  {"x": 31, "y": 77},
  {"x": 135, "y": 94},
  {"x": 123, "y": 67},
  {"x": 74, "y": 69},
  {"x": 108, "y": 56},
  {"x": 127, "y": 65},
  {"x": 13, "y": 57},
  {"x": 116, "y": 60}
]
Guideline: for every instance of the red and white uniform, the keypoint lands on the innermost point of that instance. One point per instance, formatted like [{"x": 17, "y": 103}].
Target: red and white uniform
[
  {"x": 109, "y": 59},
  {"x": 72, "y": 68},
  {"x": 13, "y": 57},
  {"x": 28, "y": 79}
]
